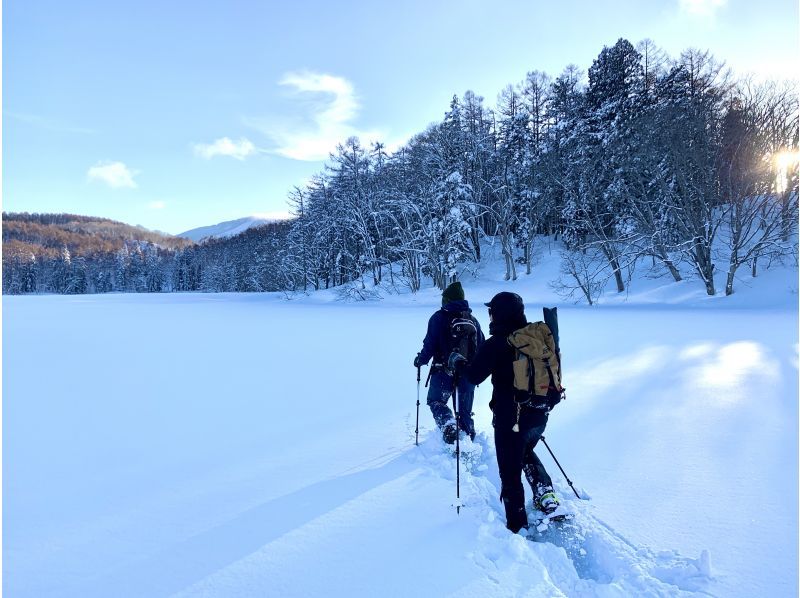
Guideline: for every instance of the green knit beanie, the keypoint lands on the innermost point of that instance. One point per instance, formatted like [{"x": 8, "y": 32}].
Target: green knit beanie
[{"x": 453, "y": 293}]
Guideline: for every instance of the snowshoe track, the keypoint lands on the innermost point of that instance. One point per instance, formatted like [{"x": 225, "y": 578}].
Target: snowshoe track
[{"x": 593, "y": 558}]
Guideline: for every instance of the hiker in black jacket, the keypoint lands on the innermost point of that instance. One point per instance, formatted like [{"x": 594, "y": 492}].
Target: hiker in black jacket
[
  {"x": 515, "y": 452},
  {"x": 438, "y": 345}
]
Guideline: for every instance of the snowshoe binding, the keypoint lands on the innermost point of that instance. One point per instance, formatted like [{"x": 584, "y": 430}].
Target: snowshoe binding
[{"x": 547, "y": 503}]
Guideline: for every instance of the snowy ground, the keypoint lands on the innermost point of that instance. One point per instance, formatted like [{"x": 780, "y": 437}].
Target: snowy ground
[{"x": 243, "y": 445}]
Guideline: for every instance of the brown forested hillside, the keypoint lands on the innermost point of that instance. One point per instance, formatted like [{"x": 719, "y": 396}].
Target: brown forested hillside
[
  {"x": 81, "y": 235},
  {"x": 64, "y": 253}
]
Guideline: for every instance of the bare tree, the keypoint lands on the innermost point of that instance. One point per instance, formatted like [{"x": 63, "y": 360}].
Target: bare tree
[
  {"x": 753, "y": 213},
  {"x": 583, "y": 271}
]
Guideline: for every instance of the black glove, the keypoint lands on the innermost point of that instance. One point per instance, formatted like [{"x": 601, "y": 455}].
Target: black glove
[
  {"x": 554, "y": 397},
  {"x": 456, "y": 361},
  {"x": 522, "y": 398},
  {"x": 417, "y": 362}
]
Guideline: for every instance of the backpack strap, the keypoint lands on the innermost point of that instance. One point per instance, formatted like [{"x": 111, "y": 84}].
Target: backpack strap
[
  {"x": 559, "y": 392},
  {"x": 531, "y": 374}
]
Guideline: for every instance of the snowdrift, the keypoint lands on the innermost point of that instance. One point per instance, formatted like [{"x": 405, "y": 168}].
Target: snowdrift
[{"x": 197, "y": 445}]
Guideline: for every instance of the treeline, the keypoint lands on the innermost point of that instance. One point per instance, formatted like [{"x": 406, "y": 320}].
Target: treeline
[
  {"x": 63, "y": 253},
  {"x": 247, "y": 262},
  {"x": 657, "y": 160}
]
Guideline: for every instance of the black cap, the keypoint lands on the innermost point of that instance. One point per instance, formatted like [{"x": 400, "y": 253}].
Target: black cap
[{"x": 506, "y": 303}]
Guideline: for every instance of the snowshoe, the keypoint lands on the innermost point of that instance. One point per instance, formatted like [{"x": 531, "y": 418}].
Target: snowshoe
[
  {"x": 449, "y": 433},
  {"x": 542, "y": 519}
]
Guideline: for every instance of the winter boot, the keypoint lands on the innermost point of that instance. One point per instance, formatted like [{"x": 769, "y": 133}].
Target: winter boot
[
  {"x": 468, "y": 432},
  {"x": 516, "y": 517},
  {"x": 547, "y": 503},
  {"x": 449, "y": 433}
]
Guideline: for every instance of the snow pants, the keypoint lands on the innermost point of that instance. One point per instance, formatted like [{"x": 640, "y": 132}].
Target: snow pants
[
  {"x": 515, "y": 455},
  {"x": 439, "y": 393}
]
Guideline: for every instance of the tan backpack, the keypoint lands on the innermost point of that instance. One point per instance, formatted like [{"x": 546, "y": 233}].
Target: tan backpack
[{"x": 537, "y": 367}]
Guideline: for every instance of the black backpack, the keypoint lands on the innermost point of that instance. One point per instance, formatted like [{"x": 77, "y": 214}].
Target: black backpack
[{"x": 463, "y": 334}]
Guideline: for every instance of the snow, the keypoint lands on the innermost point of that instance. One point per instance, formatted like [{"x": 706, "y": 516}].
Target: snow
[
  {"x": 229, "y": 228},
  {"x": 245, "y": 445}
]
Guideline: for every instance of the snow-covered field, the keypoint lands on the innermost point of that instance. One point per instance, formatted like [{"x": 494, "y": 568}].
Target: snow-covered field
[{"x": 245, "y": 445}]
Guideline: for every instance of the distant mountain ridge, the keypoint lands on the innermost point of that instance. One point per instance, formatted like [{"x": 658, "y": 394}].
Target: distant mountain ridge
[{"x": 229, "y": 228}]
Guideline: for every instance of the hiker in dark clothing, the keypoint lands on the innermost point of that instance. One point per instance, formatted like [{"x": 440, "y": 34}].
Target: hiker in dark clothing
[
  {"x": 515, "y": 453},
  {"x": 438, "y": 345}
]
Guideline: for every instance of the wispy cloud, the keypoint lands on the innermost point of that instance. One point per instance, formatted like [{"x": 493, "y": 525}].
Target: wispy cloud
[
  {"x": 225, "y": 146},
  {"x": 331, "y": 105},
  {"x": 114, "y": 174},
  {"x": 701, "y": 8},
  {"x": 47, "y": 124},
  {"x": 157, "y": 205}
]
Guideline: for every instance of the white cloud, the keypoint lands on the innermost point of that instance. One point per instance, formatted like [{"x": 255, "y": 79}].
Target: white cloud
[
  {"x": 226, "y": 147},
  {"x": 344, "y": 104},
  {"x": 157, "y": 205},
  {"x": 280, "y": 215},
  {"x": 114, "y": 174},
  {"x": 701, "y": 8},
  {"x": 332, "y": 105}
]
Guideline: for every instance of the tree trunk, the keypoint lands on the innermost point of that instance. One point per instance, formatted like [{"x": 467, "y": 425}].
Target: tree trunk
[
  {"x": 704, "y": 265},
  {"x": 732, "y": 267},
  {"x": 614, "y": 262},
  {"x": 618, "y": 279},
  {"x": 672, "y": 269},
  {"x": 729, "y": 281},
  {"x": 528, "y": 258},
  {"x": 788, "y": 220},
  {"x": 513, "y": 268},
  {"x": 511, "y": 273},
  {"x": 476, "y": 241}
]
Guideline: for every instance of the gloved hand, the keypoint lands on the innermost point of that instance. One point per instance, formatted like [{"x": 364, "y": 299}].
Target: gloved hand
[
  {"x": 456, "y": 361},
  {"x": 522, "y": 398},
  {"x": 417, "y": 362}
]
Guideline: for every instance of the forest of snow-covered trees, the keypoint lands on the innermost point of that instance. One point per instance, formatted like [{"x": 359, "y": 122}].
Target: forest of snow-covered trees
[
  {"x": 663, "y": 160},
  {"x": 656, "y": 160}
]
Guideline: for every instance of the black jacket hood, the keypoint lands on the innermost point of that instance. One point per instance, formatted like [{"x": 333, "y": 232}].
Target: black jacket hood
[
  {"x": 458, "y": 305},
  {"x": 505, "y": 326}
]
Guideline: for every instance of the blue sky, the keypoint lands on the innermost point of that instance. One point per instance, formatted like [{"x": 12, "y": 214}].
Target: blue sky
[{"x": 181, "y": 114}]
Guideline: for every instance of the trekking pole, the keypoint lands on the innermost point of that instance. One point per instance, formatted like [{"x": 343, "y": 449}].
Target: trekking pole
[
  {"x": 559, "y": 466},
  {"x": 458, "y": 448},
  {"x": 416, "y": 431}
]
